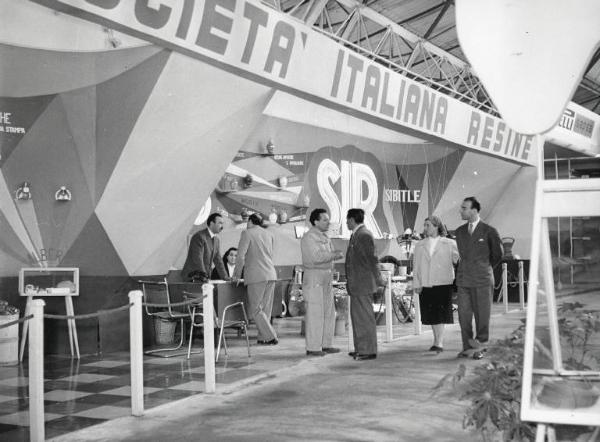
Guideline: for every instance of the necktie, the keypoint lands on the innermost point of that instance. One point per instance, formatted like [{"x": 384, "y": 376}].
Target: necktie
[{"x": 470, "y": 228}]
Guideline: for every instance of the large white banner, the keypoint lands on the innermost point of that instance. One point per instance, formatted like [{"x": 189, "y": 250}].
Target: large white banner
[{"x": 268, "y": 46}]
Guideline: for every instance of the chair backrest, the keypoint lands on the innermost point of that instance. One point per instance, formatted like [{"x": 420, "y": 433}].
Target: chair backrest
[{"x": 157, "y": 292}]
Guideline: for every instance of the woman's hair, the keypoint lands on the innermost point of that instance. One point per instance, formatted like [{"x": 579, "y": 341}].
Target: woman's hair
[
  {"x": 256, "y": 219},
  {"x": 436, "y": 221},
  {"x": 226, "y": 255}
]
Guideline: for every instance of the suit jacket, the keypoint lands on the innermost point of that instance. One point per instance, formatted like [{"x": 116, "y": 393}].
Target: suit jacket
[
  {"x": 362, "y": 265},
  {"x": 479, "y": 254},
  {"x": 437, "y": 268},
  {"x": 202, "y": 253},
  {"x": 255, "y": 256}
]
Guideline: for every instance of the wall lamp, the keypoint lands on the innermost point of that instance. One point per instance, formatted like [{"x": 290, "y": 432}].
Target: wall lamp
[
  {"x": 62, "y": 194},
  {"x": 270, "y": 147},
  {"x": 23, "y": 192}
]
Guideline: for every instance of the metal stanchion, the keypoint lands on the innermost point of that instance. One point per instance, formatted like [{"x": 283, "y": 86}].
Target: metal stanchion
[
  {"x": 417, "y": 306},
  {"x": 136, "y": 353},
  {"x": 389, "y": 330},
  {"x": 521, "y": 286},
  {"x": 36, "y": 372},
  {"x": 505, "y": 286},
  {"x": 350, "y": 332},
  {"x": 209, "y": 350}
]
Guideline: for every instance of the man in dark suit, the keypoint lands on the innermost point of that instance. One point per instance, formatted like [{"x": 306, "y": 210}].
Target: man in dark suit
[
  {"x": 203, "y": 252},
  {"x": 363, "y": 277},
  {"x": 480, "y": 250}
]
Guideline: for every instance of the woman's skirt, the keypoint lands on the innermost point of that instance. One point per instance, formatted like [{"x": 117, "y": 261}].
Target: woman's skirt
[{"x": 436, "y": 305}]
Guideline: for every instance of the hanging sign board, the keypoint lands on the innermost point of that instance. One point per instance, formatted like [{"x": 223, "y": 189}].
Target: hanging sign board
[{"x": 255, "y": 41}]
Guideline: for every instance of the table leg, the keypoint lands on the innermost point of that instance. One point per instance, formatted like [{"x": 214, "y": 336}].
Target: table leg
[
  {"x": 71, "y": 312},
  {"x": 69, "y": 325},
  {"x": 25, "y": 328}
]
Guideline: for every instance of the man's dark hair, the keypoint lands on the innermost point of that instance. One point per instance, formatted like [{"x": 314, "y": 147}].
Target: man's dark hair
[
  {"x": 358, "y": 215},
  {"x": 212, "y": 218},
  {"x": 474, "y": 203},
  {"x": 315, "y": 215},
  {"x": 256, "y": 219}
]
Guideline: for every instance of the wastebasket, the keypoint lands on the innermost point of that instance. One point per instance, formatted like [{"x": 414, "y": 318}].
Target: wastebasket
[
  {"x": 9, "y": 336},
  {"x": 164, "y": 331}
]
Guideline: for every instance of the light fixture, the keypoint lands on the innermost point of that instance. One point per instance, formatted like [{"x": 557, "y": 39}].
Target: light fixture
[
  {"x": 23, "y": 192},
  {"x": 283, "y": 182},
  {"x": 62, "y": 194},
  {"x": 270, "y": 147},
  {"x": 248, "y": 180}
]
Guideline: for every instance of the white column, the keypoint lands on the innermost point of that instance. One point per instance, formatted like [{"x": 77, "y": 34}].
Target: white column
[
  {"x": 136, "y": 349},
  {"x": 416, "y": 303},
  {"x": 209, "y": 338},
  {"x": 505, "y": 286},
  {"x": 36, "y": 372},
  {"x": 521, "y": 286},
  {"x": 389, "y": 331}
]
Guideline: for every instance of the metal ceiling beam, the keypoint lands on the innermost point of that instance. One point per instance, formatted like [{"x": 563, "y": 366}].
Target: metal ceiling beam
[{"x": 425, "y": 62}]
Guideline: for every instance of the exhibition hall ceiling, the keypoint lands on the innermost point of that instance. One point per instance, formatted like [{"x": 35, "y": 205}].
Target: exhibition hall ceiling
[{"x": 423, "y": 42}]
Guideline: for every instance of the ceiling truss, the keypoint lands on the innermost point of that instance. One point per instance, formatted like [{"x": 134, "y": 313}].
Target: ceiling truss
[{"x": 417, "y": 39}]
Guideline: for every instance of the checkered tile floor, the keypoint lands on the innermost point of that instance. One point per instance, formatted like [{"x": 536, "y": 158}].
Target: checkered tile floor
[{"x": 92, "y": 390}]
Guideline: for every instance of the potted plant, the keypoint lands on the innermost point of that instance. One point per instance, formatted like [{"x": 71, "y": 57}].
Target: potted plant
[
  {"x": 577, "y": 327},
  {"x": 494, "y": 388}
]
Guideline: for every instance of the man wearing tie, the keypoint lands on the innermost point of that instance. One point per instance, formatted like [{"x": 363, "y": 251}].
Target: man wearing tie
[
  {"x": 480, "y": 250},
  {"x": 363, "y": 277},
  {"x": 203, "y": 253}
]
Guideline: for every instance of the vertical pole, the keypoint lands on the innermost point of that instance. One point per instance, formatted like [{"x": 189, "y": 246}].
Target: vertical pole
[
  {"x": 416, "y": 303},
  {"x": 505, "y": 286},
  {"x": 521, "y": 286},
  {"x": 389, "y": 331},
  {"x": 350, "y": 331},
  {"x": 25, "y": 328},
  {"x": 209, "y": 338},
  {"x": 36, "y": 372},
  {"x": 136, "y": 350}
]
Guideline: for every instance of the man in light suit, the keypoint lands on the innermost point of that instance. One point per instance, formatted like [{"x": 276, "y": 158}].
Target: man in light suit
[
  {"x": 363, "y": 277},
  {"x": 480, "y": 250},
  {"x": 203, "y": 252},
  {"x": 255, "y": 258}
]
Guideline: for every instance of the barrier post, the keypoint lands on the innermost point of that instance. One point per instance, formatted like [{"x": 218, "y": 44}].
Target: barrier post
[
  {"x": 136, "y": 353},
  {"x": 417, "y": 306},
  {"x": 350, "y": 331},
  {"x": 36, "y": 372},
  {"x": 209, "y": 338},
  {"x": 521, "y": 286},
  {"x": 389, "y": 330},
  {"x": 505, "y": 286}
]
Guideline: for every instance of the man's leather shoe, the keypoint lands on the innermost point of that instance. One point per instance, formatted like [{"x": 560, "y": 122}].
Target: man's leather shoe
[
  {"x": 474, "y": 343},
  {"x": 436, "y": 349},
  {"x": 360, "y": 357},
  {"x": 463, "y": 354},
  {"x": 331, "y": 350},
  {"x": 271, "y": 342},
  {"x": 352, "y": 353},
  {"x": 315, "y": 353}
]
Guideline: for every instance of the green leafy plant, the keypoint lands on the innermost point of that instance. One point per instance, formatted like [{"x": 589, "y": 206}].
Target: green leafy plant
[
  {"x": 577, "y": 326},
  {"x": 494, "y": 388},
  {"x": 494, "y": 391}
]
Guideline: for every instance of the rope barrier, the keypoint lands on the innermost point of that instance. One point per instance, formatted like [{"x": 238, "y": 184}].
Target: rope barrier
[
  {"x": 174, "y": 304},
  {"x": 90, "y": 315},
  {"x": 18, "y": 321}
]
